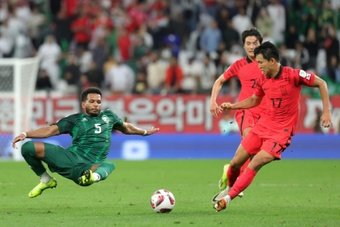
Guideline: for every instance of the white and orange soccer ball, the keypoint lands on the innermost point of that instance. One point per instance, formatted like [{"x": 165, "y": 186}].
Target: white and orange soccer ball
[{"x": 162, "y": 201}]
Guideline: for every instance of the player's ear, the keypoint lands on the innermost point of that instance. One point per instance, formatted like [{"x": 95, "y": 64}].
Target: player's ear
[{"x": 272, "y": 61}]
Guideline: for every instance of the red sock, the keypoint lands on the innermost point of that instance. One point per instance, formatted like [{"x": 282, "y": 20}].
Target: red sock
[
  {"x": 242, "y": 182},
  {"x": 232, "y": 175},
  {"x": 245, "y": 165}
]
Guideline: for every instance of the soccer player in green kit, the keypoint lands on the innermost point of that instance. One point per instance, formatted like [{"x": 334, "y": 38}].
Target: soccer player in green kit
[{"x": 84, "y": 162}]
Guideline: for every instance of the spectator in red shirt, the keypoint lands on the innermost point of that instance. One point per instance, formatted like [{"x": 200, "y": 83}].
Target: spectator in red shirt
[
  {"x": 173, "y": 77},
  {"x": 82, "y": 29},
  {"x": 124, "y": 44}
]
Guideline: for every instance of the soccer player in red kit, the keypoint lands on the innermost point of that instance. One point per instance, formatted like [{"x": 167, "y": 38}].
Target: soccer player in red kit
[
  {"x": 247, "y": 71},
  {"x": 281, "y": 87}
]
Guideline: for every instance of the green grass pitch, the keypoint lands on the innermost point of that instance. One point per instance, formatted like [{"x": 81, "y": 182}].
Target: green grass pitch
[{"x": 284, "y": 193}]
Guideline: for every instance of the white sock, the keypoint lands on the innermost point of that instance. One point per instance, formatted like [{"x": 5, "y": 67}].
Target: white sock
[
  {"x": 227, "y": 197},
  {"x": 96, "y": 177},
  {"x": 45, "y": 177}
]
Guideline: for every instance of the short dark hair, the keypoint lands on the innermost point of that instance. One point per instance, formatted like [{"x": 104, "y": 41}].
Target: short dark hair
[
  {"x": 268, "y": 51},
  {"x": 251, "y": 32},
  {"x": 89, "y": 90}
]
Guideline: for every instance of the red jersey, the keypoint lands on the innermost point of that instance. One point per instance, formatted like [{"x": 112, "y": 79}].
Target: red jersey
[
  {"x": 248, "y": 73},
  {"x": 282, "y": 95}
]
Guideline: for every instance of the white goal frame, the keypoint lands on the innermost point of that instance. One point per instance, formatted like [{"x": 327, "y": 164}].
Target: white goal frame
[{"x": 25, "y": 71}]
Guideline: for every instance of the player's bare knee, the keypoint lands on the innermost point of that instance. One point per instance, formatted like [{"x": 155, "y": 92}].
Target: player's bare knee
[
  {"x": 239, "y": 159},
  {"x": 260, "y": 160},
  {"x": 39, "y": 150}
]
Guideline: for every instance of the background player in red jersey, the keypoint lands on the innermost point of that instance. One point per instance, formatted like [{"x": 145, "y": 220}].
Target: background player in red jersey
[
  {"x": 247, "y": 71},
  {"x": 281, "y": 87}
]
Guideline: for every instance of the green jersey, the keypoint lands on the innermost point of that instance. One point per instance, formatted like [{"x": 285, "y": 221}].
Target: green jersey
[{"x": 91, "y": 135}]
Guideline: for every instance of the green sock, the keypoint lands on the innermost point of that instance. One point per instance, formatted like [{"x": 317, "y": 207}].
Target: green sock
[{"x": 105, "y": 169}]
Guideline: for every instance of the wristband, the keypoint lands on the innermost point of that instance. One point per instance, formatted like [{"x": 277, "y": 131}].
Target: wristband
[
  {"x": 145, "y": 133},
  {"x": 25, "y": 134}
]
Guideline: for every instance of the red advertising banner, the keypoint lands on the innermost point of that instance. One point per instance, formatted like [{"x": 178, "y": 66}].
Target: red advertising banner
[{"x": 173, "y": 114}]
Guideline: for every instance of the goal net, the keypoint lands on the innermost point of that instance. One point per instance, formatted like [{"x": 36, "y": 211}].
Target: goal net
[{"x": 17, "y": 84}]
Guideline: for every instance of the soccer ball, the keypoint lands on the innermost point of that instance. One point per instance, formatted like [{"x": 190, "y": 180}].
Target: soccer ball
[{"x": 162, "y": 201}]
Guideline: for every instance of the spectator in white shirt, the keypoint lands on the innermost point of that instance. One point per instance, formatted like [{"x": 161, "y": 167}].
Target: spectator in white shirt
[
  {"x": 50, "y": 53},
  {"x": 120, "y": 79}
]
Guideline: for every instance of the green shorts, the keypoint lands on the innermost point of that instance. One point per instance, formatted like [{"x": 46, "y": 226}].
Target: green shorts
[{"x": 65, "y": 162}]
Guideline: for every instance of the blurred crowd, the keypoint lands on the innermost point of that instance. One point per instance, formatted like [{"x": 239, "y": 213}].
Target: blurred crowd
[{"x": 163, "y": 47}]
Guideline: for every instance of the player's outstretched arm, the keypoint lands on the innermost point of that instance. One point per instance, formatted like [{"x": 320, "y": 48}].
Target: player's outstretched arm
[
  {"x": 326, "y": 118},
  {"x": 244, "y": 104},
  {"x": 43, "y": 132},
  {"x": 131, "y": 129}
]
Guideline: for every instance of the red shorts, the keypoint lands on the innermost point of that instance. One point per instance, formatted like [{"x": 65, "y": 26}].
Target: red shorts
[
  {"x": 253, "y": 143},
  {"x": 246, "y": 119}
]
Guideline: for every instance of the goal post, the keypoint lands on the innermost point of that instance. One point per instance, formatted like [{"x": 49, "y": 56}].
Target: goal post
[{"x": 17, "y": 85}]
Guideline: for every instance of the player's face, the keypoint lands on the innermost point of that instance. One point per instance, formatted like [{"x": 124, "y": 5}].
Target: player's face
[
  {"x": 92, "y": 105},
  {"x": 265, "y": 66},
  {"x": 250, "y": 43}
]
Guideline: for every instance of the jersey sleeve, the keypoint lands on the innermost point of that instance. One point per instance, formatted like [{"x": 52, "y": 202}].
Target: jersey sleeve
[
  {"x": 66, "y": 124},
  {"x": 231, "y": 71},
  {"x": 304, "y": 78},
  {"x": 117, "y": 121},
  {"x": 258, "y": 91}
]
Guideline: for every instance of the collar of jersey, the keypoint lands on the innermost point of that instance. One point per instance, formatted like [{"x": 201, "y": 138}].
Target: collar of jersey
[
  {"x": 248, "y": 60},
  {"x": 277, "y": 76}
]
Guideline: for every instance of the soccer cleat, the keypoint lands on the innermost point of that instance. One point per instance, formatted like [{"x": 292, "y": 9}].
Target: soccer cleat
[
  {"x": 220, "y": 205},
  {"x": 37, "y": 190},
  {"x": 87, "y": 178},
  {"x": 222, "y": 183},
  {"x": 219, "y": 195}
]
